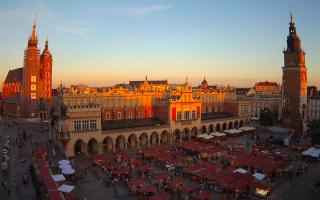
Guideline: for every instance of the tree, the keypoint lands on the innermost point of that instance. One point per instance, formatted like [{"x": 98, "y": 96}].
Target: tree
[
  {"x": 314, "y": 130},
  {"x": 267, "y": 118}
]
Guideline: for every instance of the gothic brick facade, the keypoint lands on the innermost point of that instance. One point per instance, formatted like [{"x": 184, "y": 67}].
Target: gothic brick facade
[
  {"x": 294, "y": 85},
  {"x": 32, "y": 83}
]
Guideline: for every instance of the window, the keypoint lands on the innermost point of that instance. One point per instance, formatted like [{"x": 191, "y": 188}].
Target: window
[
  {"x": 140, "y": 115},
  {"x": 179, "y": 116},
  {"x": 33, "y": 96},
  {"x": 77, "y": 125},
  {"x": 33, "y": 87},
  {"x": 107, "y": 116},
  {"x": 85, "y": 125},
  {"x": 119, "y": 115},
  {"x": 193, "y": 114},
  {"x": 186, "y": 115},
  {"x": 93, "y": 124},
  {"x": 33, "y": 79},
  {"x": 130, "y": 115}
]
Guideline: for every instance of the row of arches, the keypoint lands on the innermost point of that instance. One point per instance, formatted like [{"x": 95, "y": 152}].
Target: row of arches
[
  {"x": 121, "y": 142},
  {"x": 224, "y": 126},
  {"x": 133, "y": 141}
]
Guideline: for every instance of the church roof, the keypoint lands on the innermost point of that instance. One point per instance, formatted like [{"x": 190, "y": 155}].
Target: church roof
[
  {"x": 14, "y": 75},
  {"x": 13, "y": 99}
]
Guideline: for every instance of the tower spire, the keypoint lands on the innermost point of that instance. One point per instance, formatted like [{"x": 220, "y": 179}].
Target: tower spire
[
  {"x": 291, "y": 20},
  {"x": 33, "y": 39}
]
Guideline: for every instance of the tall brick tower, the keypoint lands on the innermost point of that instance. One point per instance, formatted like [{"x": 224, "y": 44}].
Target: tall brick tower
[
  {"x": 37, "y": 79},
  {"x": 294, "y": 85},
  {"x": 46, "y": 72},
  {"x": 31, "y": 66}
]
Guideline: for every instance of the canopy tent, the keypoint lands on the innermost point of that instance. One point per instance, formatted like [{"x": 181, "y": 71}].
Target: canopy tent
[
  {"x": 247, "y": 128},
  {"x": 68, "y": 171},
  {"x": 58, "y": 177},
  {"x": 205, "y": 136},
  {"x": 61, "y": 162},
  {"x": 309, "y": 151},
  {"x": 240, "y": 170},
  {"x": 66, "y": 188},
  {"x": 259, "y": 176},
  {"x": 233, "y": 131},
  {"x": 65, "y": 166},
  {"x": 217, "y": 134},
  {"x": 315, "y": 154}
]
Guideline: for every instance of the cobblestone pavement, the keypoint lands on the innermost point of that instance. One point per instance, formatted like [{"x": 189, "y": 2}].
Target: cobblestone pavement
[
  {"x": 17, "y": 168},
  {"x": 91, "y": 188}
]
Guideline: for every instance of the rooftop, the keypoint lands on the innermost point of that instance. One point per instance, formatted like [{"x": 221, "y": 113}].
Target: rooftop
[
  {"x": 215, "y": 115},
  {"x": 131, "y": 123},
  {"x": 14, "y": 75}
]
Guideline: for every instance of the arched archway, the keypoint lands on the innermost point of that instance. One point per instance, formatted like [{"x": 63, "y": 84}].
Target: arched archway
[
  {"x": 164, "y": 137},
  {"x": 132, "y": 141},
  {"x": 194, "y": 132},
  {"x": 143, "y": 140},
  {"x": 107, "y": 144},
  {"x": 154, "y": 138},
  {"x": 224, "y": 126},
  {"x": 177, "y": 136},
  {"x": 186, "y": 134},
  {"x": 203, "y": 129},
  {"x": 92, "y": 147},
  {"x": 236, "y": 124},
  {"x": 241, "y": 123},
  {"x": 79, "y": 147},
  {"x": 218, "y": 128},
  {"x": 210, "y": 128},
  {"x": 246, "y": 123},
  {"x": 120, "y": 142},
  {"x": 230, "y": 125}
]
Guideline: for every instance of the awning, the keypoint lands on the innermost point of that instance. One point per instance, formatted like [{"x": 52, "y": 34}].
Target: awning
[
  {"x": 68, "y": 171},
  {"x": 259, "y": 176},
  {"x": 66, "y": 188},
  {"x": 240, "y": 170},
  {"x": 61, "y": 162},
  {"x": 58, "y": 177}
]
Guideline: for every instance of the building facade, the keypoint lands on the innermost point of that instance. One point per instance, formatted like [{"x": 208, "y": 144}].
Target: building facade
[
  {"x": 124, "y": 116},
  {"x": 27, "y": 90},
  {"x": 294, "y": 85}
]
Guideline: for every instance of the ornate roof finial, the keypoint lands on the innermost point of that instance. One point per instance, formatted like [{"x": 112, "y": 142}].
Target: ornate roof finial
[
  {"x": 35, "y": 19},
  {"x": 33, "y": 39}
]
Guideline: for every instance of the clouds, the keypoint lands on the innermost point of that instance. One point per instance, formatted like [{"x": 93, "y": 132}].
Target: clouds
[
  {"x": 142, "y": 9},
  {"x": 71, "y": 30}
]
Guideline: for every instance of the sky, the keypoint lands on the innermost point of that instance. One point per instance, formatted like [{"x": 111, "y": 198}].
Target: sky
[{"x": 104, "y": 42}]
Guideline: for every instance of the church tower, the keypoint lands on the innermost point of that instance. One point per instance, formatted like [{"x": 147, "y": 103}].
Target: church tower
[
  {"x": 46, "y": 72},
  {"x": 294, "y": 84},
  {"x": 29, "y": 91}
]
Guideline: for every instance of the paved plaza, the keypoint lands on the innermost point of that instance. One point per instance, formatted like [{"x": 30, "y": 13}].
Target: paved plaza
[{"x": 93, "y": 187}]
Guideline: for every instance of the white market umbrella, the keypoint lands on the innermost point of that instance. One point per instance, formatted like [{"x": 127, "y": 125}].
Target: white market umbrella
[
  {"x": 259, "y": 176},
  {"x": 58, "y": 177},
  {"x": 66, "y": 188},
  {"x": 240, "y": 170},
  {"x": 64, "y": 162},
  {"x": 68, "y": 171},
  {"x": 66, "y": 166}
]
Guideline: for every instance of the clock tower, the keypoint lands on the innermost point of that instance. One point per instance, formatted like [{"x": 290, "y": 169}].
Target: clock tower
[{"x": 294, "y": 85}]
